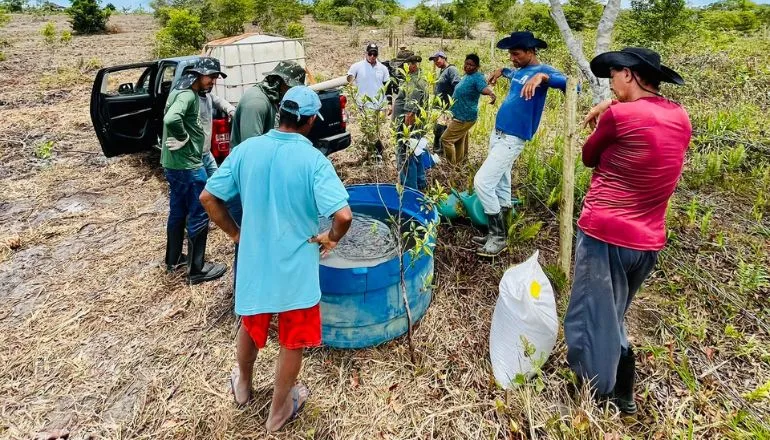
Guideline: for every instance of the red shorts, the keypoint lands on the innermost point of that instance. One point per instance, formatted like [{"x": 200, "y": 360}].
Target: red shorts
[{"x": 296, "y": 328}]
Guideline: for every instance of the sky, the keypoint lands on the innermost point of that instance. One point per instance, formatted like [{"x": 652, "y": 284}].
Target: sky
[{"x": 407, "y": 3}]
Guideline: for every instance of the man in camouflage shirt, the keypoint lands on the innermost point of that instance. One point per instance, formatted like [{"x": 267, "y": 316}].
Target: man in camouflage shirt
[{"x": 411, "y": 96}]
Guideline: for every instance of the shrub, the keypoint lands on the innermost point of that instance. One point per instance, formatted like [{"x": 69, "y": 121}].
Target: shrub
[
  {"x": 230, "y": 15},
  {"x": 353, "y": 11},
  {"x": 204, "y": 10},
  {"x": 740, "y": 21},
  {"x": 428, "y": 23},
  {"x": 528, "y": 16},
  {"x": 654, "y": 21},
  {"x": 467, "y": 13},
  {"x": 4, "y": 18},
  {"x": 49, "y": 33},
  {"x": 348, "y": 15},
  {"x": 15, "y": 6},
  {"x": 583, "y": 14},
  {"x": 87, "y": 18},
  {"x": 295, "y": 30},
  {"x": 274, "y": 16},
  {"x": 182, "y": 35},
  {"x": 324, "y": 10},
  {"x": 66, "y": 37}
]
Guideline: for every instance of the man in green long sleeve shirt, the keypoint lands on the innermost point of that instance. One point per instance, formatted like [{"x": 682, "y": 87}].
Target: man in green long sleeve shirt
[{"x": 182, "y": 159}]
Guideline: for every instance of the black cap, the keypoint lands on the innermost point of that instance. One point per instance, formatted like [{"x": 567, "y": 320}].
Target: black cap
[{"x": 372, "y": 47}]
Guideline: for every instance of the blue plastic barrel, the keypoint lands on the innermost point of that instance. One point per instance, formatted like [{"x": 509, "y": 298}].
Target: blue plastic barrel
[{"x": 363, "y": 307}]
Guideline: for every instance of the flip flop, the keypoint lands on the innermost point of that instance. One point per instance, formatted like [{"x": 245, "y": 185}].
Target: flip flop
[
  {"x": 297, "y": 407},
  {"x": 233, "y": 378}
]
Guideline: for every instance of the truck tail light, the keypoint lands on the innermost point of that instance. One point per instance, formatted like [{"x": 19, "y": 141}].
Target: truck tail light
[
  {"x": 220, "y": 139},
  {"x": 343, "y": 112}
]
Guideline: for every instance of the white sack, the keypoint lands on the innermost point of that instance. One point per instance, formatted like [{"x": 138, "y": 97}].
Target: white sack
[{"x": 524, "y": 324}]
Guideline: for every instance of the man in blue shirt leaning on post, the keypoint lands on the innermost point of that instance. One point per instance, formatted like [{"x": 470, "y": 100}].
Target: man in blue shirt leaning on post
[
  {"x": 285, "y": 185},
  {"x": 516, "y": 122}
]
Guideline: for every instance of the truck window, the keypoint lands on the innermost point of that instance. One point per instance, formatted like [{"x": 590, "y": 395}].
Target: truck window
[
  {"x": 127, "y": 82},
  {"x": 166, "y": 78}
]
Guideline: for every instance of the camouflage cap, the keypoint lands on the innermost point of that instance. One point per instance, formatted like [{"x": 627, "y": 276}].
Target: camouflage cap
[
  {"x": 207, "y": 66},
  {"x": 202, "y": 66},
  {"x": 404, "y": 54},
  {"x": 290, "y": 72}
]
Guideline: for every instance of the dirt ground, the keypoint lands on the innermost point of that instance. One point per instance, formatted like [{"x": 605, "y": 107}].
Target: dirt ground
[{"x": 97, "y": 339}]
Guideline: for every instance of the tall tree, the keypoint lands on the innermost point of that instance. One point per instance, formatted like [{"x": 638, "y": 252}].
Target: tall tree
[
  {"x": 467, "y": 14},
  {"x": 599, "y": 86}
]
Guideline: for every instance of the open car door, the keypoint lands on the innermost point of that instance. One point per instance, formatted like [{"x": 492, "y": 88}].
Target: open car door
[{"x": 122, "y": 103}]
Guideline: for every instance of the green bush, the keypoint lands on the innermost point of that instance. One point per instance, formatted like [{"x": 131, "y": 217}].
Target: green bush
[
  {"x": 428, "y": 23},
  {"x": 182, "y": 35},
  {"x": 467, "y": 14},
  {"x": 583, "y": 14},
  {"x": 49, "y": 33},
  {"x": 203, "y": 9},
  {"x": 14, "y": 6},
  {"x": 274, "y": 16},
  {"x": 653, "y": 23},
  {"x": 86, "y": 17},
  {"x": 230, "y": 15},
  {"x": 324, "y": 10},
  {"x": 353, "y": 11},
  {"x": 66, "y": 37},
  {"x": 295, "y": 30},
  {"x": 528, "y": 16},
  {"x": 4, "y": 18},
  {"x": 741, "y": 21}
]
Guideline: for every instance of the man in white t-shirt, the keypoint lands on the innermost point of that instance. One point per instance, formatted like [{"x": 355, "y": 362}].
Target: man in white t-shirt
[{"x": 370, "y": 75}]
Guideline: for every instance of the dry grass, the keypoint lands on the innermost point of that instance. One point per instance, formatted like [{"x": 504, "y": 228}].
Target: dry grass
[{"x": 96, "y": 338}]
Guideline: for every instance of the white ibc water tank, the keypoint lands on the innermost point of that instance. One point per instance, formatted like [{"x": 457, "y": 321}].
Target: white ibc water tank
[{"x": 246, "y": 58}]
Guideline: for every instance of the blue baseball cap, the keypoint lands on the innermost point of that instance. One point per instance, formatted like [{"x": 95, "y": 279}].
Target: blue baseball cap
[
  {"x": 302, "y": 101},
  {"x": 436, "y": 55}
]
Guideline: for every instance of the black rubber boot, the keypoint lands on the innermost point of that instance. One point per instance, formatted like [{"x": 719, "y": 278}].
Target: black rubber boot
[
  {"x": 497, "y": 240},
  {"x": 175, "y": 259},
  {"x": 623, "y": 394},
  {"x": 198, "y": 271},
  {"x": 437, "y": 133},
  {"x": 481, "y": 239}
]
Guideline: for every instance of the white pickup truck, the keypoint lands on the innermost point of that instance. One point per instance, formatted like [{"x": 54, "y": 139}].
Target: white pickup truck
[{"x": 127, "y": 101}]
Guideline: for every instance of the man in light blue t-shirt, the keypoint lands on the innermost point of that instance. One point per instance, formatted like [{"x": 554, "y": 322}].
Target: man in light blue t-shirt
[
  {"x": 285, "y": 185},
  {"x": 517, "y": 121}
]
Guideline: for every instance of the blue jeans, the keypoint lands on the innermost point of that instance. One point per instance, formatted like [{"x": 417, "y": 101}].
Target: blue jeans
[
  {"x": 210, "y": 164},
  {"x": 236, "y": 211},
  {"x": 411, "y": 175},
  {"x": 184, "y": 206}
]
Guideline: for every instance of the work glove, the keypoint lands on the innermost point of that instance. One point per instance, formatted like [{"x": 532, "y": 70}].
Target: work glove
[{"x": 175, "y": 144}]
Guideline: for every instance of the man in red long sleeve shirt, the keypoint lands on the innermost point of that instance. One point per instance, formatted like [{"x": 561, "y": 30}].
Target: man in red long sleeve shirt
[{"x": 637, "y": 151}]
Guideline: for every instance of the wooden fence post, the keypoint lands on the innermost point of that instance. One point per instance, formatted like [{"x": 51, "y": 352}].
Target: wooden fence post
[{"x": 567, "y": 206}]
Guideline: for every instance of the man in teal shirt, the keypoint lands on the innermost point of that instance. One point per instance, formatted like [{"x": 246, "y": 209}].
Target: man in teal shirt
[
  {"x": 285, "y": 185},
  {"x": 182, "y": 159}
]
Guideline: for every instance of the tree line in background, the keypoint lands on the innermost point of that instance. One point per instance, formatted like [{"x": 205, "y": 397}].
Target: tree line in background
[
  {"x": 86, "y": 16},
  {"x": 188, "y": 24}
]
